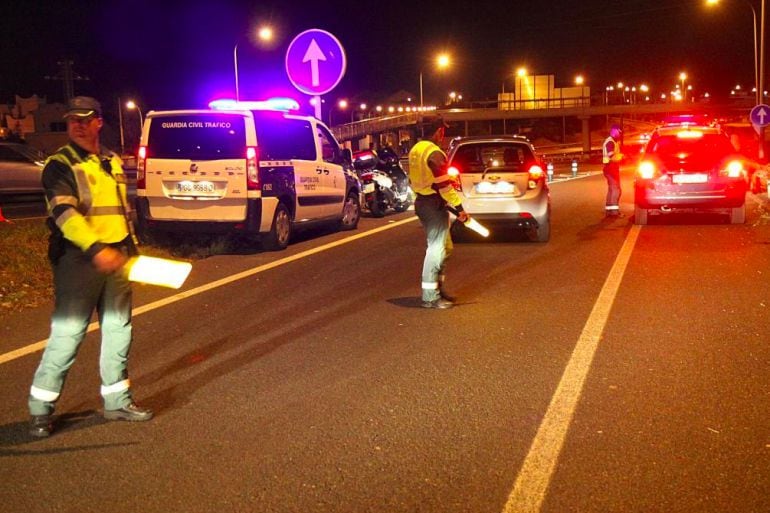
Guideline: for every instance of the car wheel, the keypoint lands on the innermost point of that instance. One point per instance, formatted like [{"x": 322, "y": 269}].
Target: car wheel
[
  {"x": 543, "y": 232},
  {"x": 738, "y": 214},
  {"x": 351, "y": 212},
  {"x": 640, "y": 215},
  {"x": 280, "y": 231}
]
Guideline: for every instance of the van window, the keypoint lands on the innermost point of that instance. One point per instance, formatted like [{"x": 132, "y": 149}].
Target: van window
[
  {"x": 197, "y": 136},
  {"x": 282, "y": 138}
]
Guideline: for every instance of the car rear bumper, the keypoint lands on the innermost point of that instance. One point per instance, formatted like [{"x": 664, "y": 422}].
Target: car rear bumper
[{"x": 727, "y": 194}]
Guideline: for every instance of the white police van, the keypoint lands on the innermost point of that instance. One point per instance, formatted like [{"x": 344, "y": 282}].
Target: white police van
[{"x": 242, "y": 168}]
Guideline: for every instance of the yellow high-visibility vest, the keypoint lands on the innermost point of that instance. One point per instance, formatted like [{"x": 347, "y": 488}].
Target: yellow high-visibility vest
[
  {"x": 607, "y": 156},
  {"x": 99, "y": 213},
  {"x": 421, "y": 176}
]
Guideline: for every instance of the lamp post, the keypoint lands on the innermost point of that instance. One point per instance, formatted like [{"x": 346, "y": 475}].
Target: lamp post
[
  {"x": 120, "y": 123},
  {"x": 579, "y": 80},
  {"x": 264, "y": 34},
  {"x": 442, "y": 61},
  {"x": 131, "y": 105}
]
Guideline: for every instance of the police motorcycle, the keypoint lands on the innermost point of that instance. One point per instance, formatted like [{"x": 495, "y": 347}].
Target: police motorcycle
[{"x": 383, "y": 182}]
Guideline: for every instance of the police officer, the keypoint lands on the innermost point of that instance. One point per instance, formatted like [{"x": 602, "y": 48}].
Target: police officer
[
  {"x": 611, "y": 158},
  {"x": 433, "y": 187},
  {"x": 90, "y": 241}
]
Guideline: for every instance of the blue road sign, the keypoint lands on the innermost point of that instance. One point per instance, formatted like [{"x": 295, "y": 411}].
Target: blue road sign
[
  {"x": 760, "y": 115},
  {"x": 315, "y": 62}
]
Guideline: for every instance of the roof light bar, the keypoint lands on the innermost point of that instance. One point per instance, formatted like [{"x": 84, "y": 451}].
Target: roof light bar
[{"x": 277, "y": 104}]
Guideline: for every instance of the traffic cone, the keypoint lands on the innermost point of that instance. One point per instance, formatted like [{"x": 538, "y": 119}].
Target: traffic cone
[{"x": 2, "y": 217}]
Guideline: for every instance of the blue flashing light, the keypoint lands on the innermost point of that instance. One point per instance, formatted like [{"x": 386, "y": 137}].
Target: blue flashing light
[{"x": 276, "y": 104}]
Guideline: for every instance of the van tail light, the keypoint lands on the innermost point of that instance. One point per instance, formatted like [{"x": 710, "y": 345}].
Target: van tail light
[
  {"x": 141, "y": 158},
  {"x": 734, "y": 169},
  {"x": 252, "y": 169},
  {"x": 647, "y": 170},
  {"x": 454, "y": 174}
]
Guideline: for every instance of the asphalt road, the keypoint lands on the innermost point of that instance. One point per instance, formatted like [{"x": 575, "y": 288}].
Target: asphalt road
[{"x": 614, "y": 368}]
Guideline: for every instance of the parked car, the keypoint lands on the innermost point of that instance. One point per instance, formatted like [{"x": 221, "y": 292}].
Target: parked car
[
  {"x": 502, "y": 183},
  {"x": 21, "y": 167},
  {"x": 690, "y": 167}
]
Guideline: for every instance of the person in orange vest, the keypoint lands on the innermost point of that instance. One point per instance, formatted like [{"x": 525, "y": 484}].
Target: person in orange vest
[
  {"x": 611, "y": 158},
  {"x": 433, "y": 187}
]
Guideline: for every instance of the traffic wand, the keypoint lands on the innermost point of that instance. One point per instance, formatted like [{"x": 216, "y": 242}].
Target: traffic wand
[
  {"x": 472, "y": 224},
  {"x": 158, "y": 271}
]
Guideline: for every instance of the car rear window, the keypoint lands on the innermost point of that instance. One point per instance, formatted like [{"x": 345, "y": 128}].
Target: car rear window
[
  {"x": 716, "y": 145},
  {"x": 282, "y": 138},
  {"x": 477, "y": 157},
  {"x": 197, "y": 136}
]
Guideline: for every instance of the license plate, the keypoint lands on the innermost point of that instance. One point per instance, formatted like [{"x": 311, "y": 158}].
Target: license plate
[
  {"x": 690, "y": 178},
  {"x": 501, "y": 187},
  {"x": 189, "y": 187},
  {"x": 369, "y": 187}
]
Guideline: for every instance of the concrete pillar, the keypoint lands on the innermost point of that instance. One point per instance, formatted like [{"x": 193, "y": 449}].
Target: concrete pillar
[{"x": 586, "y": 134}]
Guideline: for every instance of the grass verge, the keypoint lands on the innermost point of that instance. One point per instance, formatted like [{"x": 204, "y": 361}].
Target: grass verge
[{"x": 25, "y": 274}]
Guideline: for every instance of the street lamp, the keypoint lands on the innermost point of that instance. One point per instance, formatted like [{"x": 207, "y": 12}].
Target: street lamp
[
  {"x": 131, "y": 105},
  {"x": 683, "y": 77},
  {"x": 264, "y": 34},
  {"x": 442, "y": 62},
  {"x": 579, "y": 80}
]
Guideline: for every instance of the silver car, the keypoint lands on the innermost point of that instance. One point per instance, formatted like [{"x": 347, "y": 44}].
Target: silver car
[
  {"x": 502, "y": 184},
  {"x": 21, "y": 167}
]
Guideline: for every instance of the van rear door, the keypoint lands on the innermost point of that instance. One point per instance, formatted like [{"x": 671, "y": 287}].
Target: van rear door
[{"x": 196, "y": 165}]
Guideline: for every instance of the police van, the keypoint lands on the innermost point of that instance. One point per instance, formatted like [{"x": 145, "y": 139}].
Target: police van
[{"x": 242, "y": 167}]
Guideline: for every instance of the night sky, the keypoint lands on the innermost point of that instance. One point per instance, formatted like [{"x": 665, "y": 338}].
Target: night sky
[{"x": 179, "y": 54}]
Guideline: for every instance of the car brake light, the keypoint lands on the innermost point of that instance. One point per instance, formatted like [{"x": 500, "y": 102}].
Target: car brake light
[
  {"x": 647, "y": 170},
  {"x": 453, "y": 172},
  {"x": 734, "y": 169},
  {"x": 141, "y": 157},
  {"x": 252, "y": 175},
  {"x": 535, "y": 172}
]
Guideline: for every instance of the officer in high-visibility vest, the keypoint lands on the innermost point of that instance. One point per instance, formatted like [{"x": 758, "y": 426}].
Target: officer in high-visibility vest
[
  {"x": 90, "y": 241},
  {"x": 611, "y": 158},
  {"x": 434, "y": 190}
]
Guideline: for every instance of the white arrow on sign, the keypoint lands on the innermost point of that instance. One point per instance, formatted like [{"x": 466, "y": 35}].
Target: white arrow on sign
[
  {"x": 762, "y": 113},
  {"x": 314, "y": 54}
]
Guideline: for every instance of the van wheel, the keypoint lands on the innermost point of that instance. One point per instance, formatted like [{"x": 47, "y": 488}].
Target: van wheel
[
  {"x": 738, "y": 215},
  {"x": 280, "y": 231},
  {"x": 351, "y": 212}
]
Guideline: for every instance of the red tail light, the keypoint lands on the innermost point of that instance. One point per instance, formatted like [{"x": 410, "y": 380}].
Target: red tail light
[
  {"x": 535, "y": 172},
  {"x": 647, "y": 170},
  {"x": 141, "y": 157},
  {"x": 454, "y": 174},
  {"x": 252, "y": 168},
  {"x": 734, "y": 169}
]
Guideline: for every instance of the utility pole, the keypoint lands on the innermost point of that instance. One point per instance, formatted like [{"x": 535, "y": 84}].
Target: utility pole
[{"x": 68, "y": 77}]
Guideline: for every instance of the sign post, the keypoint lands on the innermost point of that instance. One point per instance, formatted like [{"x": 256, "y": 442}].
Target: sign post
[
  {"x": 760, "y": 118},
  {"x": 315, "y": 64}
]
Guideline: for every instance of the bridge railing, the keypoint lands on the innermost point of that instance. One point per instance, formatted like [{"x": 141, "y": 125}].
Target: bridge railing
[{"x": 359, "y": 129}]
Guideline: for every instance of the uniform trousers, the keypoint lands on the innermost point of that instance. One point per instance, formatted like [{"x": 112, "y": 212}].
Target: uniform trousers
[
  {"x": 79, "y": 289},
  {"x": 435, "y": 219},
  {"x": 612, "y": 175}
]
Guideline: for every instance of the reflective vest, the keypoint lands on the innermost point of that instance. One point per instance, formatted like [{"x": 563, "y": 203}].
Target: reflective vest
[
  {"x": 611, "y": 156},
  {"x": 99, "y": 213},
  {"x": 421, "y": 176}
]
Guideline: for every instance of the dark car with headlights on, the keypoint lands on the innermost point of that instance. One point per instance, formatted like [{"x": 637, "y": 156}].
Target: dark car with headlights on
[
  {"x": 21, "y": 168},
  {"x": 502, "y": 184},
  {"x": 690, "y": 167}
]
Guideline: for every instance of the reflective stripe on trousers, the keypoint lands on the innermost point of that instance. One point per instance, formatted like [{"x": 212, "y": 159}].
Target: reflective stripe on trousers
[{"x": 435, "y": 219}]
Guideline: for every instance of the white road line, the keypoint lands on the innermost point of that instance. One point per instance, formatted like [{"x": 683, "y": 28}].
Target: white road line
[
  {"x": 37, "y": 346},
  {"x": 535, "y": 475}
]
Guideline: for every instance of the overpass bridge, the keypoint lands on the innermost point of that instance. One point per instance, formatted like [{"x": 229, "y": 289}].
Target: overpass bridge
[{"x": 582, "y": 111}]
